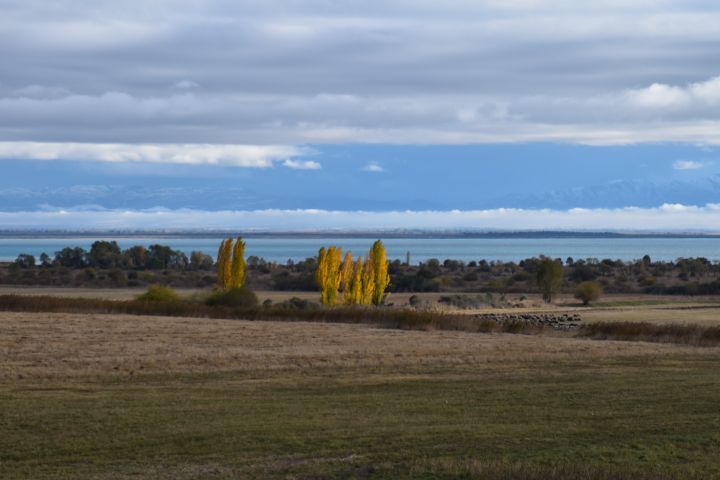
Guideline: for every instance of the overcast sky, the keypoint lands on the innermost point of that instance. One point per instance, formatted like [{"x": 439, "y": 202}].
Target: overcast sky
[{"x": 280, "y": 86}]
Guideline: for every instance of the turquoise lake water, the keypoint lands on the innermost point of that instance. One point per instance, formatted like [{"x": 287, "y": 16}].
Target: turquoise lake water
[{"x": 466, "y": 249}]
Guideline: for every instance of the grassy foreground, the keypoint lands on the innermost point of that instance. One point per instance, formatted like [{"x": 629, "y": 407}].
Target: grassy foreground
[
  {"x": 616, "y": 418},
  {"x": 98, "y": 390}
]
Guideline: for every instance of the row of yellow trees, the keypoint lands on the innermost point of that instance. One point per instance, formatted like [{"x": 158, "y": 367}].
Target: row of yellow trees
[
  {"x": 231, "y": 264},
  {"x": 361, "y": 282}
]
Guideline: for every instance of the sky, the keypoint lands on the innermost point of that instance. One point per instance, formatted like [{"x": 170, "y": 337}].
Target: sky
[{"x": 513, "y": 114}]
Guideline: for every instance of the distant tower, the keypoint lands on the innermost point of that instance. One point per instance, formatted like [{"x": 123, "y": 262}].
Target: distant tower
[{"x": 407, "y": 258}]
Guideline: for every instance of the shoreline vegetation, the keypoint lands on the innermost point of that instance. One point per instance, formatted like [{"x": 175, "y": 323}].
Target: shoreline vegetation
[
  {"x": 106, "y": 265},
  {"x": 355, "y": 290}
]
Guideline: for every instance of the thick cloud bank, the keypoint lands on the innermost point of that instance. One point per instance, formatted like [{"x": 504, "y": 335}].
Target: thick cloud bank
[
  {"x": 670, "y": 217},
  {"x": 289, "y": 73}
]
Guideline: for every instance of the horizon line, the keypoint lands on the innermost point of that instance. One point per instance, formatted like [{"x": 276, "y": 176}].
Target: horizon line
[{"x": 361, "y": 233}]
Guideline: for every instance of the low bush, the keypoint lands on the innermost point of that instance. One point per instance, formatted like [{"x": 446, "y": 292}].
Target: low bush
[
  {"x": 588, "y": 292},
  {"x": 415, "y": 301},
  {"x": 471, "y": 277},
  {"x": 158, "y": 293},
  {"x": 460, "y": 301},
  {"x": 296, "y": 303},
  {"x": 692, "y": 288},
  {"x": 241, "y": 297}
]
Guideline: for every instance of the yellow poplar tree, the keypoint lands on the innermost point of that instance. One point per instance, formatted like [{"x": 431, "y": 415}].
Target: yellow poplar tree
[
  {"x": 222, "y": 260},
  {"x": 334, "y": 260},
  {"x": 328, "y": 274},
  {"x": 320, "y": 273},
  {"x": 381, "y": 279},
  {"x": 346, "y": 276},
  {"x": 219, "y": 280},
  {"x": 368, "y": 283},
  {"x": 227, "y": 264},
  {"x": 238, "y": 264},
  {"x": 357, "y": 283}
]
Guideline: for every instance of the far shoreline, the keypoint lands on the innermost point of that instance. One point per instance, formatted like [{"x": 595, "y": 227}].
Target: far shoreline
[{"x": 429, "y": 234}]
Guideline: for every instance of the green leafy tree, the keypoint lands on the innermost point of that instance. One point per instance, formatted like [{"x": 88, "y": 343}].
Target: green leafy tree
[
  {"x": 549, "y": 278},
  {"x": 45, "y": 259},
  {"x": 200, "y": 261},
  {"x": 71, "y": 257},
  {"x": 135, "y": 257},
  {"x": 104, "y": 254},
  {"x": 162, "y": 257},
  {"x": 25, "y": 260}
]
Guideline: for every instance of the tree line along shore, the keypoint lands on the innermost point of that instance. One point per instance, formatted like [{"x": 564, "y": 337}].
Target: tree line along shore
[{"x": 106, "y": 265}]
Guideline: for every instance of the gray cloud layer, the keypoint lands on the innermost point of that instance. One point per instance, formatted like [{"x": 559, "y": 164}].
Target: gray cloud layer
[{"x": 400, "y": 71}]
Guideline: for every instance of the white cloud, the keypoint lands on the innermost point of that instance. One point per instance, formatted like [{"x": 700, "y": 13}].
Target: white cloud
[
  {"x": 302, "y": 164},
  {"x": 259, "y": 156},
  {"x": 707, "y": 91},
  {"x": 373, "y": 167},
  {"x": 186, "y": 84},
  {"x": 669, "y": 217},
  {"x": 659, "y": 95},
  {"x": 687, "y": 165}
]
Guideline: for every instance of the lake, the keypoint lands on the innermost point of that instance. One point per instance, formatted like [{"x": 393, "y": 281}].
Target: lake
[{"x": 280, "y": 249}]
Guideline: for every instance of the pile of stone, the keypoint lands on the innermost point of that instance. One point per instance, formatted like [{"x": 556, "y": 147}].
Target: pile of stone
[{"x": 558, "y": 321}]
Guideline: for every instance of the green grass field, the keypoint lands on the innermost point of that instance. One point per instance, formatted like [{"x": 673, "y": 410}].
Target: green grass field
[{"x": 628, "y": 418}]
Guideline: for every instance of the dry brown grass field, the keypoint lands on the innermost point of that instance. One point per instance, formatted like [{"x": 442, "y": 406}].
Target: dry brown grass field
[
  {"x": 115, "y": 396},
  {"x": 45, "y": 346}
]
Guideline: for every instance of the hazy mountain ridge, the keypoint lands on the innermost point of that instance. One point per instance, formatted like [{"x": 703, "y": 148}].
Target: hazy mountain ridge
[
  {"x": 618, "y": 194},
  {"x": 636, "y": 193},
  {"x": 126, "y": 196}
]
